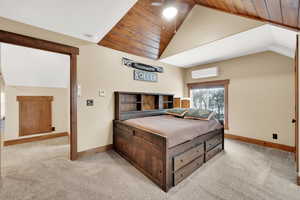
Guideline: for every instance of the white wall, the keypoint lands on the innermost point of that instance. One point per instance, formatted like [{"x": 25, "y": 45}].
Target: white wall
[
  {"x": 23, "y": 66},
  {"x": 204, "y": 25},
  {"x": 260, "y": 95},
  {"x": 60, "y": 109},
  {"x": 32, "y": 72}
]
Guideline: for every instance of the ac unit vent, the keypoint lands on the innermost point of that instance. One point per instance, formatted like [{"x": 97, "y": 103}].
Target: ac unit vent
[{"x": 205, "y": 73}]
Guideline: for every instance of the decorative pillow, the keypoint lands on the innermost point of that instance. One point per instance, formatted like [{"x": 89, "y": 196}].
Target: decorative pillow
[
  {"x": 193, "y": 113},
  {"x": 178, "y": 112}
]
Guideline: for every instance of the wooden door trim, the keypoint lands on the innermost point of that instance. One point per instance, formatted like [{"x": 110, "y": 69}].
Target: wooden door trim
[
  {"x": 26, "y": 41},
  {"x": 297, "y": 102},
  {"x": 208, "y": 83},
  {"x": 35, "y": 138},
  {"x": 34, "y": 98}
]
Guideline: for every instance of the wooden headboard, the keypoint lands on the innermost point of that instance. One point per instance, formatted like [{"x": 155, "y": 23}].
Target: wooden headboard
[{"x": 129, "y": 105}]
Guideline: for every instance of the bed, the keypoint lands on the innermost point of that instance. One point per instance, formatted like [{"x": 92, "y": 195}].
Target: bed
[{"x": 165, "y": 148}]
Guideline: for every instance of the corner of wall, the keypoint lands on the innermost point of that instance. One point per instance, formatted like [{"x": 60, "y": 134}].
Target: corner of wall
[{"x": 196, "y": 30}]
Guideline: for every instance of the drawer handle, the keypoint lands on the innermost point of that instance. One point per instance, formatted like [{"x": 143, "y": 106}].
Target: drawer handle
[
  {"x": 181, "y": 160},
  {"x": 181, "y": 175}
]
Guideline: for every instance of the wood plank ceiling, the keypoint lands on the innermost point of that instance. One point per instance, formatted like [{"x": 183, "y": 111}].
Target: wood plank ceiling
[
  {"x": 281, "y": 12},
  {"x": 144, "y": 32}
]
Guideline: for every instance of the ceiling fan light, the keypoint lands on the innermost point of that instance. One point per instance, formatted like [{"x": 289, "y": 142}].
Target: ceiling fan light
[{"x": 170, "y": 12}]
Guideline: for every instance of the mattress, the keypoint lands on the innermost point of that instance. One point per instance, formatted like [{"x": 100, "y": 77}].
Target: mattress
[{"x": 176, "y": 130}]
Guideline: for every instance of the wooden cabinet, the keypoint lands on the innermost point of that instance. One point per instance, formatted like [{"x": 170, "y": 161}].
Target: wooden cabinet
[
  {"x": 211, "y": 153},
  {"x": 177, "y": 103},
  {"x": 132, "y": 104},
  {"x": 212, "y": 142},
  {"x": 185, "y": 103},
  {"x": 181, "y": 103},
  {"x": 35, "y": 114},
  {"x": 188, "y": 156},
  {"x": 184, "y": 172},
  {"x": 142, "y": 149}
]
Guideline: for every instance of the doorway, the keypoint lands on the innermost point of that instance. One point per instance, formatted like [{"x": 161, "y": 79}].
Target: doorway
[{"x": 72, "y": 52}]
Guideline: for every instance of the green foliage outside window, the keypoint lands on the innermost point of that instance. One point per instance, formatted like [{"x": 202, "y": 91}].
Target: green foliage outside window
[{"x": 209, "y": 99}]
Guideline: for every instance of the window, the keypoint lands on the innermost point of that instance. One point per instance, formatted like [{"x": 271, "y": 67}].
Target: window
[
  {"x": 209, "y": 99},
  {"x": 212, "y": 96}
]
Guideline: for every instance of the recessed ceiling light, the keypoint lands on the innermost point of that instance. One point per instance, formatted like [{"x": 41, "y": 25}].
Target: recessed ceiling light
[{"x": 170, "y": 12}]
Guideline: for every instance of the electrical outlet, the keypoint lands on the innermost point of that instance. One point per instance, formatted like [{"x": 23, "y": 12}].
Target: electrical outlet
[
  {"x": 275, "y": 136},
  {"x": 90, "y": 102}
]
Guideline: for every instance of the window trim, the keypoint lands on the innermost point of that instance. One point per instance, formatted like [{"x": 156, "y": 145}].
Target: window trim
[{"x": 207, "y": 84}]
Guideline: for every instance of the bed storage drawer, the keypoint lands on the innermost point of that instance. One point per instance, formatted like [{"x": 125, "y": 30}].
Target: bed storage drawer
[
  {"x": 186, "y": 157},
  {"x": 212, "y": 142},
  {"x": 210, "y": 154},
  {"x": 187, "y": 170}
]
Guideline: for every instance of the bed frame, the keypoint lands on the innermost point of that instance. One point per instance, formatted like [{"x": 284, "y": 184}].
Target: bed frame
[{"x": 148, "y": 151}]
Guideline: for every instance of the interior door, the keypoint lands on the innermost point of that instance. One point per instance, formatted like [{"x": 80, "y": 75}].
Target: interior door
[{"x": 35, "y": 114}]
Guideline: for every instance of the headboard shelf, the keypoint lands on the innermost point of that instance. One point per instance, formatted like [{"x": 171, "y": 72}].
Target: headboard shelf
[{"x": 130, "y": 105}]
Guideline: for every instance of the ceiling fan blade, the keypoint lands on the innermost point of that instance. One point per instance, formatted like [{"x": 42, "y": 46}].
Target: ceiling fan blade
[{"x": 156, "y": 4}]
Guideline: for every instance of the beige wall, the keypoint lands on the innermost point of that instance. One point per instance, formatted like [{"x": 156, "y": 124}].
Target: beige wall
[
  {"x": 101, "y": 68},
  {"x": 260, "y": 95},
  {"x": 204, "y": 25},
  {"x": 60, "y": 108},
  {"x": 2, "y": 100}
]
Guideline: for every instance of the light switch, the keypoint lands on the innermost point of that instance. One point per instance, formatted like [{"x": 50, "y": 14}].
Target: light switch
[
  {"x": 78, "y": 90},
  {"x": 101, "y": 93}
]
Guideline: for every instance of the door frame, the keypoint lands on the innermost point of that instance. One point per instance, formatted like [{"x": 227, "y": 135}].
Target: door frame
[
  {"x": 26, "y": 41},
  {"x": 297, "y": 102}
]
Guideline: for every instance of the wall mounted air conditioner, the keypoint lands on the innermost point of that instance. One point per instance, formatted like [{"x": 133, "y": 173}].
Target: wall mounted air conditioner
[{"x": 205, "y": 73}]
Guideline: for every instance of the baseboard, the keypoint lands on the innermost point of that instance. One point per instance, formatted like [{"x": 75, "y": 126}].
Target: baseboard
[
  {"x": 261, "y": 142},
  {"x": 94, "y": 151},
  {"x": 34, "y": 139}
]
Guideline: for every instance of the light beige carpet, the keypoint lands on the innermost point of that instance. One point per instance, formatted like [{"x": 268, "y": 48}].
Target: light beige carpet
[{"x": 41, "y": 171}]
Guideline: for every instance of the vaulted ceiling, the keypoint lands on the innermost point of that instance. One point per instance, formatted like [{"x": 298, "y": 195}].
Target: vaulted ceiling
[
  {"x": 134, "y": 26},
  {"x": 263, "y": 38},
  {"x": 143, "y": 31},
  {"x": 282, "y": 12}
]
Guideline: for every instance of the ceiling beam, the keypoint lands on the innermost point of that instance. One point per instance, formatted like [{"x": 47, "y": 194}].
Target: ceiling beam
[{"x": 26, "y": 41}]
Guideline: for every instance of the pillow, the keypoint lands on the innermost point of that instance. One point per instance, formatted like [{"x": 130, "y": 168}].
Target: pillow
[
  {"x": 199, "y": 114},
  {"x": 178, "y": 112}
]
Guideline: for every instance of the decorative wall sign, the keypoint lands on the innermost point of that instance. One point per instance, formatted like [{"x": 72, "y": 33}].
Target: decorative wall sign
[
  {"x": 144, "y": 76},
  {"x": 140, "y": 66}
]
